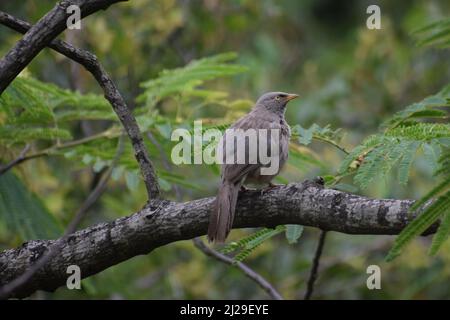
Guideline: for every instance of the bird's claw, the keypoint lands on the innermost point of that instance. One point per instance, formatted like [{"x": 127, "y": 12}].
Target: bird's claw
[{"x": 269, "y": 187}]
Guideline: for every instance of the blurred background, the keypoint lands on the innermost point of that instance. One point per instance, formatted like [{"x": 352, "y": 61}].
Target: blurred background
[{"x": 347, "y": 77}]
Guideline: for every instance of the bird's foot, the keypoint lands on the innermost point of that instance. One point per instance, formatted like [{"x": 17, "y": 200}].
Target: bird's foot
[
  {"x": 269, "y": 187},
  {"x": 243, "y": 189},
  {"x": 319, "y": 180}
]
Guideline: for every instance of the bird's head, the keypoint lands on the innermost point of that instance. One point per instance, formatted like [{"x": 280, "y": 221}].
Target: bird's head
[{"x": 275, "y": 101}]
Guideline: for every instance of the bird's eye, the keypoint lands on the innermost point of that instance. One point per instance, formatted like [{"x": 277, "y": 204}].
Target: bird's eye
[{"x": 277, "y": 98}]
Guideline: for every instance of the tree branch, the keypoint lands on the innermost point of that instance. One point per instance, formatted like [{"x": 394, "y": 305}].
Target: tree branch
[
  {"x": 162, "y": 222},
  {"x": 253, "y": 275},
  {"x": 42, "y": 33},
  {"x": 55, "y": 248},
  {"x": 112, "y": 94},
  {"x": 315, "y": 265},
  {"x": 20, "y": 158}
]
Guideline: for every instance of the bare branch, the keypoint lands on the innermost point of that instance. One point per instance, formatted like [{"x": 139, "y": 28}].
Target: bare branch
[
  {"x": 253, "y": 275},
  {"x": 55, "y": 248},
  {"x": 48, "y": 151},
  {"x": 20, "y": 158},
  {"x": 315, "y": 266},
  {"x": 42, "y": 33},
  {"x": 112, "y": 94},
  {"x": 162, "y": 222}
]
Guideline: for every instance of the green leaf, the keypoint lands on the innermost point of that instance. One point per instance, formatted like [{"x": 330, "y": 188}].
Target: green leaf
[
  {"x": 421, "y": 131},
  {"x": 165, "y": 185},
  {"x": 429, "y": 113},
  {"x": 184, "y": 80},
  {"x": 99, "y": 165},
  {"x": 368, "y": 144},
  {"x": 132, "y": 180},
  {"x": 23, "y": 212},
  {"x": 406, "y": 161},
  {"x": 305, "y": 135},
  {"x": 71, "y": 115},
  {"x": 419, "y": 225},
  {"x": 436, "y": 191},
  {"x": 345, "y": 187},
  {"x": 21, "y": 134},
  {"x": 442, "y": 233},
  {"x": 117, "y": 172},
  {"x": 293, "y": 232},
  {"x": 248, "y": 244},
  {"x": 431, "y": 153}
]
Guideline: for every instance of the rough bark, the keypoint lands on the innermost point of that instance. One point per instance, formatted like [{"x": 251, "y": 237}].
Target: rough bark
[
  {"x": 112, "y": 94},
  {"x": 44, "y": 31},
  {"x": 162, "y": 222}
]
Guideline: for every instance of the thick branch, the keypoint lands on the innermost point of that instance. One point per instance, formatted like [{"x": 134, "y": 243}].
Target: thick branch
[
  {"x": 44, "y": 31},
  {"x": 112, "y": 94},
  {"x": 162, "y": 222},
  {"x": 53, "y": 250}
]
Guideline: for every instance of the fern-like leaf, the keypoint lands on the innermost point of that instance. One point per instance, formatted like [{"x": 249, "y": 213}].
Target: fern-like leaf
[
  {"x": 442, "y": 234},
  {"x": 419, "y": 225},
  {"x": 247, "y": 245},
  {"x": 406, "y": 161}
]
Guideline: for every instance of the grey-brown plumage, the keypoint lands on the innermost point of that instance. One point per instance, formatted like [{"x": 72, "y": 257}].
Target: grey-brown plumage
[{"x": 268, "y": 113}]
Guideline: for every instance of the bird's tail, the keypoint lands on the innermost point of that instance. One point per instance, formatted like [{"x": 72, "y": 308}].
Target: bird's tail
[{"x": 222, "y": 215}]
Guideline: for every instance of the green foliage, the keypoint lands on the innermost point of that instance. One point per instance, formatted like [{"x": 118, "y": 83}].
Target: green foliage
[
  {"x": 245, "y": 246},
  {"x": 396, "y": 146},
  {"x": 434, "y": 34},
  {"x": 186, "y": 80},
  {"x": 423, "y": 109},
  {"x": 437, "y": 205},
  {"x": 326, "y": 134},
  {"x": 399, "y": 141},
  {"x": 293, "y": 233},
  {"x": 347, "y": 76},
  {"x": 12, "y": 134},
  {"x": 406, "y": 160},
  {"x": 442, "y": 233},
  {"x": 33, "y": 110},
  {"x": 23, "y": 212},
  {"x": 419, "y": 225}
]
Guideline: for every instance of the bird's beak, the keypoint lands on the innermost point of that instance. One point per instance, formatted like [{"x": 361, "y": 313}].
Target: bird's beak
[{"x": 291, "y": 96}]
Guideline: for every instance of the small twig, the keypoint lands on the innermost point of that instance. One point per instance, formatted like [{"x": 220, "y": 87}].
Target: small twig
[
  {"x": 112, "y": 94},
  {"x": 263, "y": 283},
  {"x": 42, "y": 153},
  {"x": 95, "y": 194},
  {"x": 16, "y": 161},
  {"x": 315, "y": 266},
  {"x": 331, "y": 142}
]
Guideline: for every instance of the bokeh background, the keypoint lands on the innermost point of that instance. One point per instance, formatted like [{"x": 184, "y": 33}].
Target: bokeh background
[{"x": 348, "y": 76}]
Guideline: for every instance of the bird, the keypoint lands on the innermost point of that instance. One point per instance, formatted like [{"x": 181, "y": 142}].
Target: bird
[{"x": 268, "y": 113}]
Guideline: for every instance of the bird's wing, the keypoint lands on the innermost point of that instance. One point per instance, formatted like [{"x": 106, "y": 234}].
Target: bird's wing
[{"x": 236, "y": 172}]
